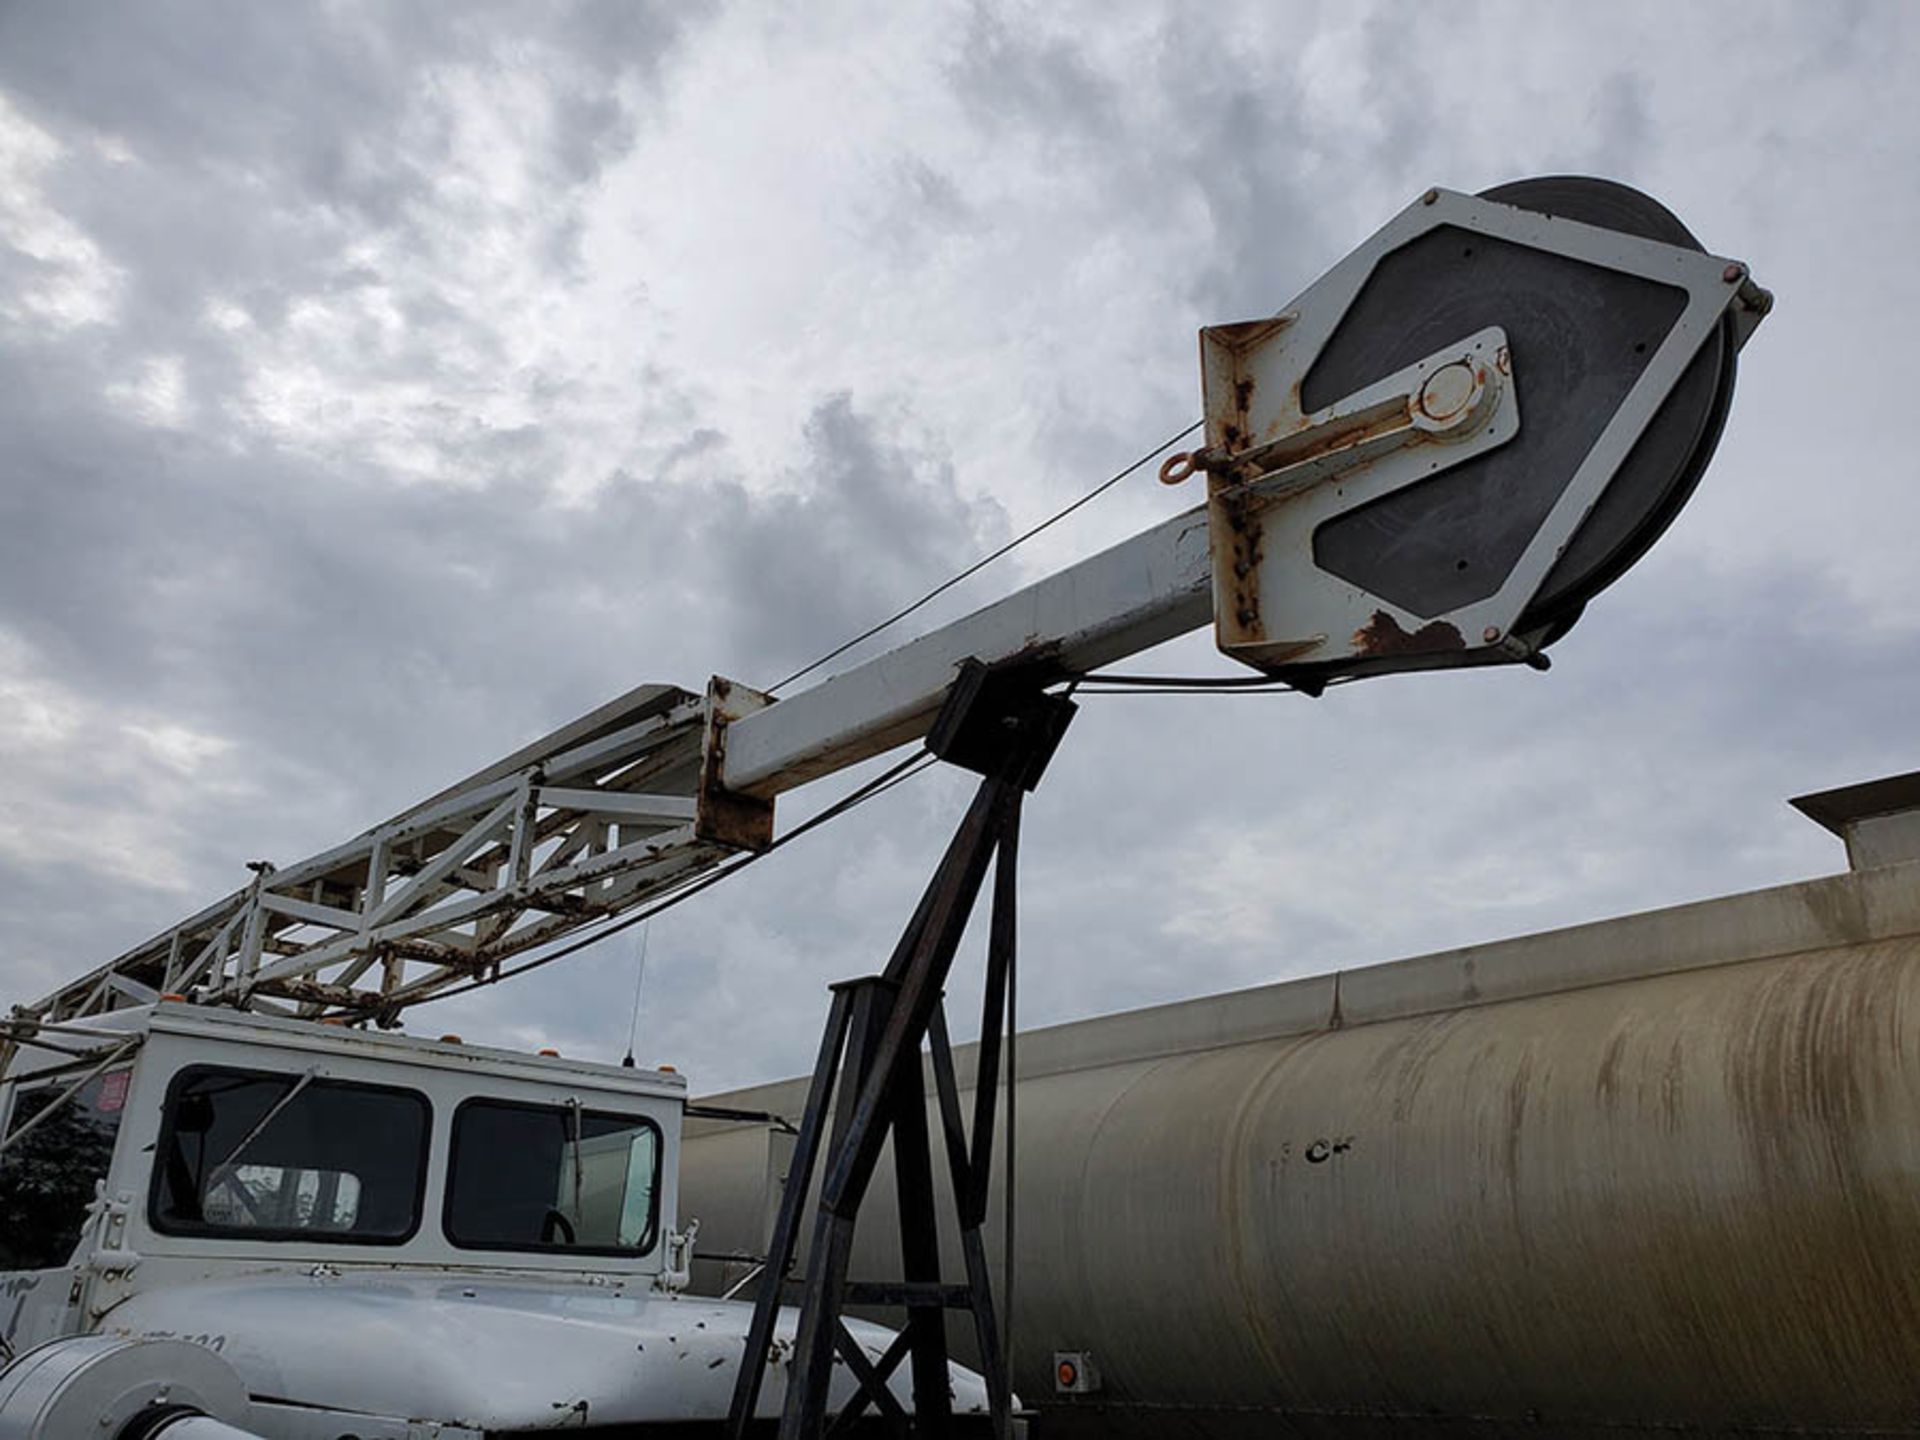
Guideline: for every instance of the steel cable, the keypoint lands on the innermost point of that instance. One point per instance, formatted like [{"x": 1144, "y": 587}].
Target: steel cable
[{"x": 986, "y": 560}]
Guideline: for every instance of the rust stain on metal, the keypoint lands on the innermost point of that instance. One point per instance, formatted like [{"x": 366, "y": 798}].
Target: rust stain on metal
[
  {"x": 1038, "y": 658},
  {"x": 1804, "y": 1096},
  {"x": 1607, "y": 1083},
  {"x": 1239, "y": 431},
  {"x": 1245, "y": 538},
  {"x": 1245, "y": 335},
  {"x": 739, "y": 822},
  {"x": 1384, "y": 635},
  {"x": 1231, "y": 423}
]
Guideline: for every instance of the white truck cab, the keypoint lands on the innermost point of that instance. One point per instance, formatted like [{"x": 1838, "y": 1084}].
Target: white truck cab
[{"x": 379, "y": 1236}]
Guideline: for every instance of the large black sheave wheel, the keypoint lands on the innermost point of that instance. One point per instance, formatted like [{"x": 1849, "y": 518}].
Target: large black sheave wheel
[{"x": 1580, "y": 336}]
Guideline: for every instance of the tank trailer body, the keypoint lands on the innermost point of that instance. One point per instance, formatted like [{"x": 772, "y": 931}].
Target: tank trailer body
[{"x": 1657, "y": 1174}]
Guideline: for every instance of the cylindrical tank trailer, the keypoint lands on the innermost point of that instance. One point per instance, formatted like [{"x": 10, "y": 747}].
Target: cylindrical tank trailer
[{"x": 1655, "y": 1173}]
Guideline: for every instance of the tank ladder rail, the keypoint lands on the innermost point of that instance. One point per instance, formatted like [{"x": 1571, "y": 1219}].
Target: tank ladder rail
[{"x": 869, "y": 1074}]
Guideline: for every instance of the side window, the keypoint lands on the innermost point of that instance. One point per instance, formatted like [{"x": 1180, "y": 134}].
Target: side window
[
  {"x": 47, "y": 1176},
  {"x": 262, "y": 1156},
  {"x": 552, "y": 1177}
]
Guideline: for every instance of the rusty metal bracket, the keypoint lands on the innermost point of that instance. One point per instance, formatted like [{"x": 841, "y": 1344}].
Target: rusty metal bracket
[
  {"x": 1751, "y": 303},
  {"x": 1463, "y": 398},
  {"x": 725, "y": 816},
  {"x": 1000, "y": 722},
  {"x": 1461, "y": 394}
]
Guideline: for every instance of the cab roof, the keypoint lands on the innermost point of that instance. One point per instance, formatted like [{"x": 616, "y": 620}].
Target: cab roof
[{"x": 175, "y": 1018}]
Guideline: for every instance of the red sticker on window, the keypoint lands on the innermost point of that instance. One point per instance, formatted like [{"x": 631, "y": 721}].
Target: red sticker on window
[{"x": 113, "y": 1091}]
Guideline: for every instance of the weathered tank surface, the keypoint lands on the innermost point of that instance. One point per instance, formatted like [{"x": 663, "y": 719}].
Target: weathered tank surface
[{"x": 1655, "y": 1173}]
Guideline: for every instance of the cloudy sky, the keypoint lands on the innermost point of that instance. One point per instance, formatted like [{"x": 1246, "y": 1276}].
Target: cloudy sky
[{"x": 381, "y": 385}]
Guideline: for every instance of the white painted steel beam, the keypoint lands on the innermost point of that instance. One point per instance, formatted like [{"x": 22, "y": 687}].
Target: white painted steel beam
[{"x": 1140, "y": 593}]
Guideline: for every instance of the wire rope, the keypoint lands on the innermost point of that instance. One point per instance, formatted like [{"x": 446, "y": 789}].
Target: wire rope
[{"x": 986, "y": 560}]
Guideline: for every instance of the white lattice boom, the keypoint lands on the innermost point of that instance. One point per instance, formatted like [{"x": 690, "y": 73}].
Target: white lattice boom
[{"x": 589, "y": 821}]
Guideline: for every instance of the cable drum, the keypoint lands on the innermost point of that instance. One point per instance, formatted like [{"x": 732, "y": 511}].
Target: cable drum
[{"x": 115, "y": 1389}]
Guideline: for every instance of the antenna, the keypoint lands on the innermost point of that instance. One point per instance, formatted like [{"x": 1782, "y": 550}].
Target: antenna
[{"x": 639, "y": 979}]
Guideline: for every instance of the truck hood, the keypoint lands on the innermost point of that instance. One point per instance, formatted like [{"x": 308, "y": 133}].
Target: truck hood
[{"x": 488, "y": 1353}]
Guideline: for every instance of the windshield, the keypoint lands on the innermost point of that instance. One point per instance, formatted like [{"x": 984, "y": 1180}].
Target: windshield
[
  {"x": 272, "y": 1156},
  {"x": 552, "y": 1177}
]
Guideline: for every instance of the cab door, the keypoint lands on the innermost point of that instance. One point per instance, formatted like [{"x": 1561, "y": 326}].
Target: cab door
[{"x": 58, "y": 1145}]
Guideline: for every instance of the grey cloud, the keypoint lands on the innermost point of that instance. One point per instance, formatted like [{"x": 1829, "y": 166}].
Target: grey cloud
[
  {"x": 361, "y": 640},
  {"x": 1622, "y": 126},
  {"x": 310, "y": 91},
  {"x": 1041, "y": 84},
  {"x": 268, "y": 140},
  {"x": 268, "y": 144},
  {"x": 590, "y": 131},
  {"x": 172, "y": 569},
  {"x": 835, "y": 559},
  {"x": 919, "y": 207},
  {"x": 1239, "y": 143},
  {"x": 1190, "y": 137},
  {"x": 935, "y": 191},
  {"x": 162, "y": 574}
]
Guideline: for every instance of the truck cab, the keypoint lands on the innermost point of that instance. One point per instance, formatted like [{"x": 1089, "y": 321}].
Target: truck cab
[{"x": 381, "y": 1236}]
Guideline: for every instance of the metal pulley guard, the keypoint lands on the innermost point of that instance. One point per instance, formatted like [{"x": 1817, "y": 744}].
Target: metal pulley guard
[{"x": 1470, "y": 426}]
